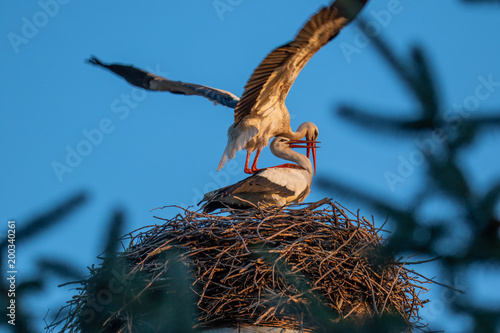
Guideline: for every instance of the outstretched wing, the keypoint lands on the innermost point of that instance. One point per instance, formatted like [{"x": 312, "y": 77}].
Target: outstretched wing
[
  {"x": 150, "y": 81},
  {"x": 271, "y": 81}
]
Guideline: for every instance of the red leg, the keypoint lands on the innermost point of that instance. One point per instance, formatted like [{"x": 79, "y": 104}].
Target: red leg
[
  {"x": 247, "y": 170},
  {"x": 254, "y": 165}
]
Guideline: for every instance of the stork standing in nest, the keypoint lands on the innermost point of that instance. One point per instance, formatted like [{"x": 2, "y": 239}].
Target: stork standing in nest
[
  {"x": 275, "y": 186},
  {"x": 261, "y": 113}
]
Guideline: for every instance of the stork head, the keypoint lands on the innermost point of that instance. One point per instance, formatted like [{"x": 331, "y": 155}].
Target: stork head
[{"x": 281, "y": 145}]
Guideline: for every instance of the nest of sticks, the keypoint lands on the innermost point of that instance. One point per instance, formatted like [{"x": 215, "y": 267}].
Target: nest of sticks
[{"x": 301, "y": 267}]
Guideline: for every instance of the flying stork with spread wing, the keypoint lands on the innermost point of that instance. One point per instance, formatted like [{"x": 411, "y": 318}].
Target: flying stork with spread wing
[{"x": 261, "y": 113}]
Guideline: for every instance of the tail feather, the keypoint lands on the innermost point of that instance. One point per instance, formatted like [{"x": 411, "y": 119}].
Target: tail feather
[{"x": 236, "y": 142}]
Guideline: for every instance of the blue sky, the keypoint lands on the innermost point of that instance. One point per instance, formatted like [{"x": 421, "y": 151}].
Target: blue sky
[{"x": 158, "y": 149}]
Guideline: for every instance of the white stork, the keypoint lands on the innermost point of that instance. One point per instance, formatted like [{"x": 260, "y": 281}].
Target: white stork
[
  {"x": 261, "y": 113},
  {"x": 275, "y": 186}
]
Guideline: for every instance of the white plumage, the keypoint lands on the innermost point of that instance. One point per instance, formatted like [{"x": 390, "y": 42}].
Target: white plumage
[{"x": 276, "y": 186}]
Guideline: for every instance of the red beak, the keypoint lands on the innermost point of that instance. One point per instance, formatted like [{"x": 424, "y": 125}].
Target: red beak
[
  {"x": 311, "y": 145},
  {"x": 314, "y": 155}
]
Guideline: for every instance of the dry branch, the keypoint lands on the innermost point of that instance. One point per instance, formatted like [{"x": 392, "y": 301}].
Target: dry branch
[{"x": 268, "y": 267}]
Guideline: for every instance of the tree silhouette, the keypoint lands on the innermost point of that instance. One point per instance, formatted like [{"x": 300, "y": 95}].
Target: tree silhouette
[
  {"x": 443, "y": 141},
  {"x": 47, "y": 268}
]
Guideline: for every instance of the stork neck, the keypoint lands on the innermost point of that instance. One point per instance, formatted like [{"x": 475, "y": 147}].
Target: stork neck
[
  {"x": 300, "y": 133},
  {"x": 293, "y": 156}
]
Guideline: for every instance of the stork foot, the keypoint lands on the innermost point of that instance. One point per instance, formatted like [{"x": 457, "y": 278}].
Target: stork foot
[{"x": 254, "y": 169}]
